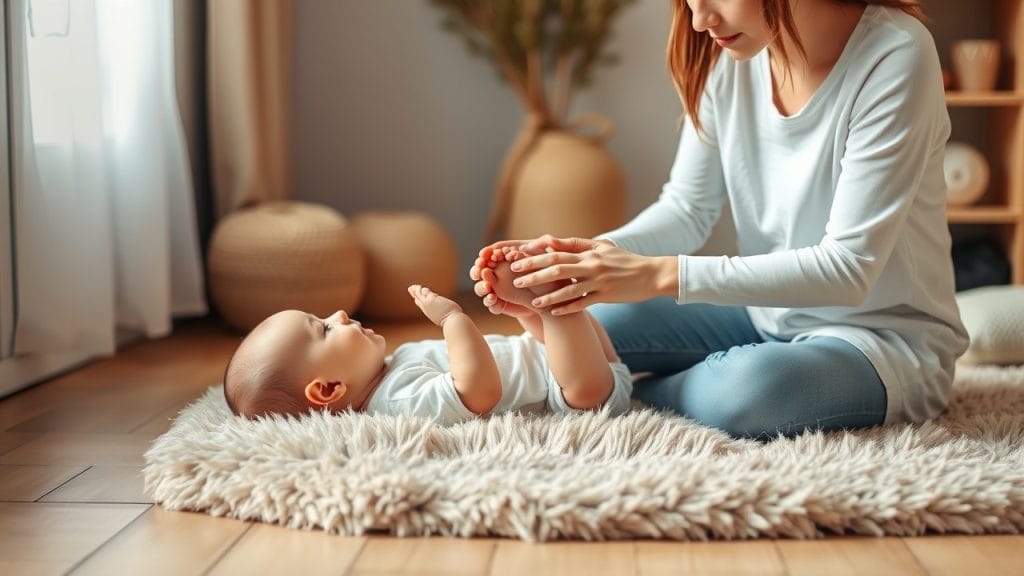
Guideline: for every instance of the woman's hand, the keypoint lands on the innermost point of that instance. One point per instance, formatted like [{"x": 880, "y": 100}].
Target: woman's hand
[{"x": 599, "y": 272}]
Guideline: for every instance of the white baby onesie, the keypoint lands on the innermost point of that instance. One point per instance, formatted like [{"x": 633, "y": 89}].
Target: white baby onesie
[{"x": 418, "y": 381}]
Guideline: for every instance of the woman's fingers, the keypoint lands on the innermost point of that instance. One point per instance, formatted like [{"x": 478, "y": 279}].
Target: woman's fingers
[
  {"x": 486, "y": 251},
  {"x": 551, "y": 273},
  {"x": 574, "y": 245},
  {"x": 567, "y": 293},
  {"x": 577, "y": 305},
  {"x": 548, "y": 260}
]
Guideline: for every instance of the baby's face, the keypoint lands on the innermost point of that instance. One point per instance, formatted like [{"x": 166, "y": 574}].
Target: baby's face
[{"x": 335, "y": 348}]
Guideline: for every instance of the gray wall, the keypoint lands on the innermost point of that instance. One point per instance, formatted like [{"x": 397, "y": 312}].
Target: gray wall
[{"x": 392, "y": 113}]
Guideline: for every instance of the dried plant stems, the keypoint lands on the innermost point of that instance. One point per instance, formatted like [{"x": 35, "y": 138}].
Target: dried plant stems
[{"x": 530, "y": 42}]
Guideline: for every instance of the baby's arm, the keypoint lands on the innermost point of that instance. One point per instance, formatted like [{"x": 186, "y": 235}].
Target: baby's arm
[
  {"x": 578, "y": 347},
  {"x": 474, "y": 370}
]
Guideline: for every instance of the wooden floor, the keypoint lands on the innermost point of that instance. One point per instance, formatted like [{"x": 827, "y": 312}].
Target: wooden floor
[{"x": 71, "y": 499}]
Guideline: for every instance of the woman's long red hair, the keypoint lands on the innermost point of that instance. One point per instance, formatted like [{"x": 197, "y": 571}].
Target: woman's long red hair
[{"x": 691, "y": 54}]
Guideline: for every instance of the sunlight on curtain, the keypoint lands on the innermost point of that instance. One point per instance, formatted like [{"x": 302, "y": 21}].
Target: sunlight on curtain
[{"x": 105, "y": 220}]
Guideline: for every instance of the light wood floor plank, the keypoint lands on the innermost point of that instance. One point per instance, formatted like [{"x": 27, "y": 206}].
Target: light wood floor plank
[
  {"x": 457, "y": 556},
  {"x": 50, "y": 538},
  {"x": 11, "y": 440},
  {"x": 515, "y": 558},
  {"x": 103, "y": 484},
  {"x": 161, "y": 542},
  {"x": 988, "y": 555},
  {"x": 849, "y": 556},
  {"x": 29, "y": 483},
  {"x": 162, "y": 422},
  {"x": 756, "y": 557},
  {"x": 34, "y": 401},
  {"x": 80, "y": 449},
  {"x": 119, "y": 408},
  {"x": 268, "y": 549}
]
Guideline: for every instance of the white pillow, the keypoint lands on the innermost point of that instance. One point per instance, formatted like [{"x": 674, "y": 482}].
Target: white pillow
[{"x": 994, "y": 318}]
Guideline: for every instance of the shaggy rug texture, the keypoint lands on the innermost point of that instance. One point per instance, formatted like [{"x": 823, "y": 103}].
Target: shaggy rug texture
[{"x": 587, "y": 476}]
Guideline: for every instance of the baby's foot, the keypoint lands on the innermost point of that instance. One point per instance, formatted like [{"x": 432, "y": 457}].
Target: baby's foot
[{"x": 503, "y": 277}]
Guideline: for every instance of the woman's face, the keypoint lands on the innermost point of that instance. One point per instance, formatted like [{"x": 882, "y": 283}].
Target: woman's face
[{"x": 737, "y": 26}]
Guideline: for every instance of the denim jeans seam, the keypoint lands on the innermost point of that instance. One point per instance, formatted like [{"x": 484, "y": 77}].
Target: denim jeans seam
[{"x": 818, "y": 422}]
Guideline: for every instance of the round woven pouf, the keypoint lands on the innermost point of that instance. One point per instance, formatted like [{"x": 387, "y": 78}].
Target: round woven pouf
[
  {"x": 403, "y": 248},
  {"x": 283, "y": 255}
]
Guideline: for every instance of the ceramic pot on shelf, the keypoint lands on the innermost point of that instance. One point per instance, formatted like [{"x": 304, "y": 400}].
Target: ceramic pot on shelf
[
  {"x": 976, "y": 63},
  {"x": 966, "y": 172}
]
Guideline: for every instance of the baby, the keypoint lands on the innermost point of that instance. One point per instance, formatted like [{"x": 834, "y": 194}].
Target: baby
[{"x": 294, "y": 361}]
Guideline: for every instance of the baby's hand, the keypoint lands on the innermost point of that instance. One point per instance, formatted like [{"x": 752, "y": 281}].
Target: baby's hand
[{"x": 434, "y": 306}]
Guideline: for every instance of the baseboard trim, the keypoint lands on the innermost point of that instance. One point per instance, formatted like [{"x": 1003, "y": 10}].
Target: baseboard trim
[{"x": 20, "y": 372}]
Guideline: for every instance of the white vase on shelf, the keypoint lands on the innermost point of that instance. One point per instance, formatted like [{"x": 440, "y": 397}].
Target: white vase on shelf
[{"x": 967, "y": 174}]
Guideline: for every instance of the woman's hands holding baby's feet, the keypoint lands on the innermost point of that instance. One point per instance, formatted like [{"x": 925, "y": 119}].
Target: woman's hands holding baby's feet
[
  {"x": 434, "y": 306},
  {"x": 495, "y": 285}
]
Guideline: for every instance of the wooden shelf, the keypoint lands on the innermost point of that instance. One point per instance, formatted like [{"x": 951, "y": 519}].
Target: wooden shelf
[
  {"x": 982, "y": 215},
  {"x": 997, "y": 98},
  {"x": 992, "y": 121}
]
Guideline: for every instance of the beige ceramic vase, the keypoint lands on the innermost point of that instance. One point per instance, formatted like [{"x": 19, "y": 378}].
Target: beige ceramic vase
[
  {"x": 976, "y": 63},
  {"x": 568, "y": 185}
]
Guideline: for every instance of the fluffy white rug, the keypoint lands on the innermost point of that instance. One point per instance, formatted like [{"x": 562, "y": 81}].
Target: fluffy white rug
[{"x": 645, "y": 474}]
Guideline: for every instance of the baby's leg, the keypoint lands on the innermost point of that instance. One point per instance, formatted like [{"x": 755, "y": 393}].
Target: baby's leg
[{"x": 575, "y": 351}]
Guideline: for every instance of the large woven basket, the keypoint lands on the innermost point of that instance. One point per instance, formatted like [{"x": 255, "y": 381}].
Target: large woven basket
[{"x": 284, "y": 255}]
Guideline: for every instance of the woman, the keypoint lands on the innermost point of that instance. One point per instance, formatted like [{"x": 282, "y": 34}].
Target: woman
[{"x": 839, "y": 311}]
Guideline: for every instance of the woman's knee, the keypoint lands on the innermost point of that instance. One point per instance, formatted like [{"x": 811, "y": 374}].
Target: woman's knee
[
  {"x": 742, "y": 396},
  {"x": 763, "y": 390}
]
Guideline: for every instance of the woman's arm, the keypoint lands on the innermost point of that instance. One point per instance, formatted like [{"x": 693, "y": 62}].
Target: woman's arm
[
  {"x": 646, "y": 263},
  {"x": 891, "y": 164},
  {"x": 894, "y": 143}
]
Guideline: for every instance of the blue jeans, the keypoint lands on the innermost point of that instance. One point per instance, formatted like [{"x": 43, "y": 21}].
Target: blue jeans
[{"x": 709, "y": 363}]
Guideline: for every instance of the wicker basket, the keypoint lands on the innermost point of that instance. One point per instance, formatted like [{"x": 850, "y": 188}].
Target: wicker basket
[
  {"x": 403, "y": 248},
  {"x": 284, "y": 255}
]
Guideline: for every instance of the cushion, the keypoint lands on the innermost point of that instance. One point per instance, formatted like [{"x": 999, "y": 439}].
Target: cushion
[{"x": 994, "y": 318}]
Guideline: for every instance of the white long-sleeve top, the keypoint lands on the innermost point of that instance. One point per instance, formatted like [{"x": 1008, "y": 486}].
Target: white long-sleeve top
[{"x": 839, "y": 208}]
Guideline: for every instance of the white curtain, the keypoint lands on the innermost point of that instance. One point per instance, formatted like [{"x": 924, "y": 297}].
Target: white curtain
[{"x": 104, "y": 216}]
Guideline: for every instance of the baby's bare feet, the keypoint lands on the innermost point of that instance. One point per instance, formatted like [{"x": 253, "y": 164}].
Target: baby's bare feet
[
  {"x": 503, "y": 277},
  {"x": 503, "y": 288}
]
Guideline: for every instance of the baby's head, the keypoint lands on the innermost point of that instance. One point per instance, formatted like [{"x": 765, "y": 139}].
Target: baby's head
[{"x": 294, "y": 361}]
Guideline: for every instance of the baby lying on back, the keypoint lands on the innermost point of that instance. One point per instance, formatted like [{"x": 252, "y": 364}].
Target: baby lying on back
[{"x": 294, "y": 361}]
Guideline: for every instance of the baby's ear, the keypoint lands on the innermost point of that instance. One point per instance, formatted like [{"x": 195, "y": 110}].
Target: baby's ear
[{"x": 323, "y": 393}]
